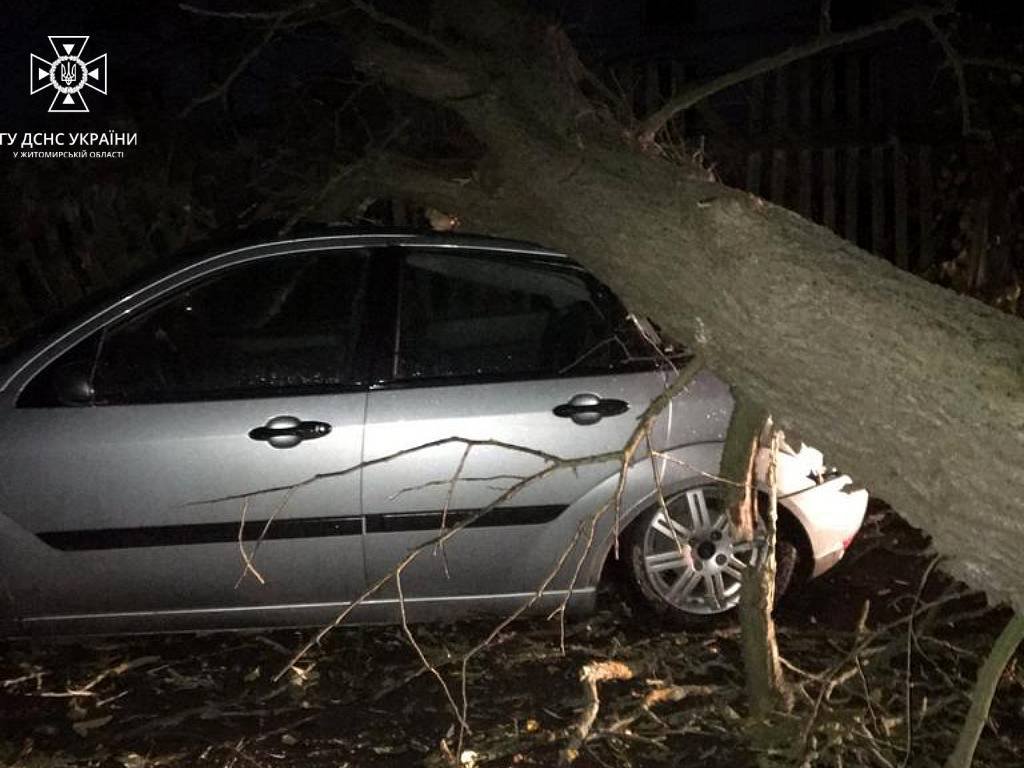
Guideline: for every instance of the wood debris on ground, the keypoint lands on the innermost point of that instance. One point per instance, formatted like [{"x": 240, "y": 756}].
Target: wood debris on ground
[{"x": 871, "y": 685}]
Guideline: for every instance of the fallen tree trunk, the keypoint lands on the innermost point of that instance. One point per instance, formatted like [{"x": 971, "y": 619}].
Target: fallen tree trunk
[{"x": 916, "y": 392}]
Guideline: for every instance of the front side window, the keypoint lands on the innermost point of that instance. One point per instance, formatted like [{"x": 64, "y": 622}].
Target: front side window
[
  {"x": 279, "y": 325},
  {"x": 488, "y": 316}
]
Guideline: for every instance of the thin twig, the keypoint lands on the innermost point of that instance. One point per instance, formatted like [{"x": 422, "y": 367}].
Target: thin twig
[
  {"x": 423, "y": 657},
  {"x": 448, "y": 503},
  {"x": 411, "y": 556},
  {"x": 246, "y": 557},
  {"x": 552, "y": 463},
  {"x": 435, "y": 483}
]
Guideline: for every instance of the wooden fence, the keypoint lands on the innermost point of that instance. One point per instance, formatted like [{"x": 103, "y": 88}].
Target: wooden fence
[
  {"x": 880, "y": 196},
  {"x": 817, "y": 136}
]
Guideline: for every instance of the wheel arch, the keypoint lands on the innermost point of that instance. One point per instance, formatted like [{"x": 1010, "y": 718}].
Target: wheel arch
[
  {"x": 791, "y": 525},
  {"x": 687, "y": 466}
]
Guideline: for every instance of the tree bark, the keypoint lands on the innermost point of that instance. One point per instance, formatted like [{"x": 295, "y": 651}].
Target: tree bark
[
  {"x": 766, "y": 686},
  {"x": 916, "y": 392}
]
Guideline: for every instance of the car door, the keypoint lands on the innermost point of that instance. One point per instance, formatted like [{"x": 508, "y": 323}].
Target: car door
[
  {"x": 490, "y": 346},
  {"x": 141, "y": 460}
]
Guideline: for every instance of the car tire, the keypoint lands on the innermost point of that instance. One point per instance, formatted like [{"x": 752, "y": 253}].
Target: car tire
[{"x": 658, "y": 585}]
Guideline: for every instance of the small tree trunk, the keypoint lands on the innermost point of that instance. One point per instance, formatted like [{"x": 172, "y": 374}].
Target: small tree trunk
[
  {"x": 984, "y": 690},
  {"x": 766, "y": 686}
]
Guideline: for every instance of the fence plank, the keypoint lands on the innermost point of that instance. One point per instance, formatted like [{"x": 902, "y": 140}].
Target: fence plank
[
  {"x": 926, "y": 213},
  {"x": 853, "y": 116},
  {"x": 828, "y": 188},
  {"x": 878, "y": 201},
  {"x": 754, "y": 173},
  {"x": 805, "y": 204},
  {"x": 755, "y": 117},
  {"x": 777, "y": 192},
  {"x": 828, "y": 91},
  {"x": 876, "y": 86},
  {"x": 780, "y": 101},
  {"x": 805, "y": 94},
  {"x": 899, "y": 206},
  {"x": 851, "y": 194}
]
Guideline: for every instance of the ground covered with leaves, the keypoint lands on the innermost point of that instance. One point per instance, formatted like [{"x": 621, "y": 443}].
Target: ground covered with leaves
[{"x": 881, "y": 654}]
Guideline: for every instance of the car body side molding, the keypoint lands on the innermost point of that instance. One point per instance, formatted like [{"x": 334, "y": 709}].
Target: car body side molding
[
  {"x": 290, "y": 528},
  {"x": 393, "y": 522},
  {"x": 201, "y": 533}
]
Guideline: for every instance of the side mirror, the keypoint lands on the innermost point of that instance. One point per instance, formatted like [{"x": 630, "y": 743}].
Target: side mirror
[{"x": 73, "y": 386}]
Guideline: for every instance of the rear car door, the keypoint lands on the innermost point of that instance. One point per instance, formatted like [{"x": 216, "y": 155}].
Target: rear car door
[
  {"x": 523, "y": 349},
  {"x": 134, "y": 461}
]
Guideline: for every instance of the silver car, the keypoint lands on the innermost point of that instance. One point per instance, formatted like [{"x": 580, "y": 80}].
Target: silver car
[{"x": 172, "y": 457}]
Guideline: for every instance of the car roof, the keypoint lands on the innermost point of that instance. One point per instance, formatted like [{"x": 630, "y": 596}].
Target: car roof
[{"x": 274, "y": 233}]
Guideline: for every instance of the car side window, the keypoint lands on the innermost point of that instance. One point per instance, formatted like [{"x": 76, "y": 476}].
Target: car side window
[
  {"x": 492, "y": 316},
  {"x": 279, "y": 325}
]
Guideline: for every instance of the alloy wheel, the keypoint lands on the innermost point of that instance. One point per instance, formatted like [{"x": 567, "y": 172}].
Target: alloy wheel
[{"x": 690, "y": 557}]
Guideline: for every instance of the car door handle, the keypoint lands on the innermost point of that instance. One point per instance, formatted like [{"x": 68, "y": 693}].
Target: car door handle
[
  {"x": 288, "y": 431},
  {"x": 588, "y": 408}
]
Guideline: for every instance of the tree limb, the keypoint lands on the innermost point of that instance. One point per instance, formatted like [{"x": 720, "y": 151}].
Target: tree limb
[{"x": 653, "y": 123}]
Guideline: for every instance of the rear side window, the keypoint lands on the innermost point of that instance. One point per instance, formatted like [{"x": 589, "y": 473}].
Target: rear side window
[
  {"x": 281, "y": 325},
  {"x": 494, "y": 317}
]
